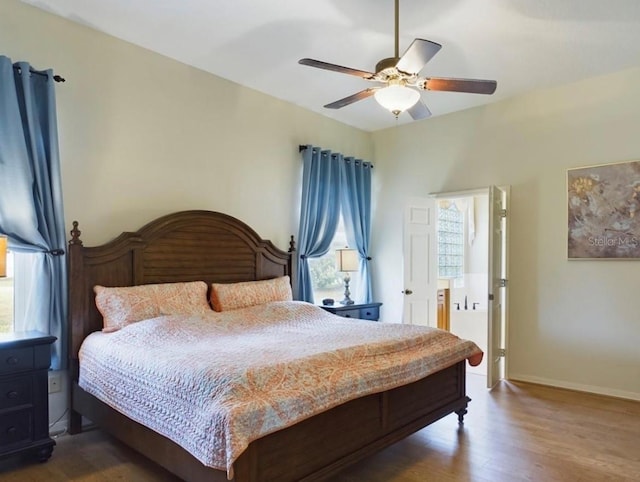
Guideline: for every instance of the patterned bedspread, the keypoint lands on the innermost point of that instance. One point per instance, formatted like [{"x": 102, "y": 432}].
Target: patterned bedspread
[{"x": 216, "y": 382}]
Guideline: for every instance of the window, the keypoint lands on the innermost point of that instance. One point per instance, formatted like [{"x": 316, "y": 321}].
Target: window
[
  {"x": 327, "y": 281},
  {"x": 6, "y": 287},
  {"x": 450, "y": 240}
]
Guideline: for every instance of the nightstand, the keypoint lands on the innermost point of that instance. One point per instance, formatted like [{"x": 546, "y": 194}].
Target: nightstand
[
  {"x": 24, "y": 399},
  {"x": 367, "y": 311}
]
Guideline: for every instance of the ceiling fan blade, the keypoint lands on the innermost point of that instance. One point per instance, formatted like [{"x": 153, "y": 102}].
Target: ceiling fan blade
[
  {"x": 336, "y": 68},
  {"x": 417, "y": 55},
  {"x": 419, "y": 111},
  {"x": 363, "y": 94},
  {"x": 471, "y": 86}
]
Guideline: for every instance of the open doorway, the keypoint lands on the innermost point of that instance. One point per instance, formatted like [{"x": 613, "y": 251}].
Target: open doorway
[
  {"x": 460, "y": 260},
  {"x": 463, "y": 264}
]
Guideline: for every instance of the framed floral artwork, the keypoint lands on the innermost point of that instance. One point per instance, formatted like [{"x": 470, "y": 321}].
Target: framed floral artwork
[{"x": 604, "y": 211}]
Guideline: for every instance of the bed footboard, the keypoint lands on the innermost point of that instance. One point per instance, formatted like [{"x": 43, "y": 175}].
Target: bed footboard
[{"x": 312, "y": 450}]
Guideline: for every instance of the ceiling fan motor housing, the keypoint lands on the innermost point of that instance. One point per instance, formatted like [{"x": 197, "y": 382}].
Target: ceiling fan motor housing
[{"x": 388, "y": 63}]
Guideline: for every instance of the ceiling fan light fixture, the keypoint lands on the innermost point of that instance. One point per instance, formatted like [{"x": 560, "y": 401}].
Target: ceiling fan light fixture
[{"x": 397, "y": 98}]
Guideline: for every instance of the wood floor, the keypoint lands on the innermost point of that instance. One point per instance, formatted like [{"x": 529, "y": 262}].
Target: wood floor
[{"x": 517, "y": 432}]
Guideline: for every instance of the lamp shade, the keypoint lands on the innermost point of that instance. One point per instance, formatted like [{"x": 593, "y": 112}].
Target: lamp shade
[
  {"x": 347, "y": 260},
  {"x": 397, "y": 98}
]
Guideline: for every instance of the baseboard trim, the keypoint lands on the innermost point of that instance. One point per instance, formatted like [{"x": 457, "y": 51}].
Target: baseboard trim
[{"x": 610, "y": 392}]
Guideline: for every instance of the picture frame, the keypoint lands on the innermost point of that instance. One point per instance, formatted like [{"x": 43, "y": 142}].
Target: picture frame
[{"x": 603, "y": 204}]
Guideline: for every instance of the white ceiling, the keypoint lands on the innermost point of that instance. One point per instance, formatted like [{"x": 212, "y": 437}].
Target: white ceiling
[{"x": 523, "y": 44}]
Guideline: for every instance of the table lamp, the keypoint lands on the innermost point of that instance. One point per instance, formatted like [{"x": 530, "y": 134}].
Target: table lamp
[{"x": 347, "y": 261}]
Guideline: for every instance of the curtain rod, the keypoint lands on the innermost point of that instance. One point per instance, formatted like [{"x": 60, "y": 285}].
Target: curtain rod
[
  {"x": 303, "y": 147},
  {"x": 57, "y": 78}
]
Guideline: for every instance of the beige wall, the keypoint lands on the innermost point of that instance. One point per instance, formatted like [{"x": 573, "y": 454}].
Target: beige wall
[
  {"x": 573, "y": 323},
  {"x": 142, "y": 135}
]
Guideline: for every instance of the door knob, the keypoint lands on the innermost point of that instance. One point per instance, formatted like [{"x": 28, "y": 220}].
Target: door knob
[{"x": 407, "y": 292}]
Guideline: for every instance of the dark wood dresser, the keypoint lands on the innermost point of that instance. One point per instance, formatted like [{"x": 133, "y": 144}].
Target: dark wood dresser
[
  {"x": 365, "y": 311},
  {"x": 24, "y": 399}
]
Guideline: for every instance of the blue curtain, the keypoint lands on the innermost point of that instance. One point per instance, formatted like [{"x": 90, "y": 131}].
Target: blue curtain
[
  {"x": 356, "y": 211},
  {"x": 319, "y": 212},
  {"x": 31, "y": 211}
]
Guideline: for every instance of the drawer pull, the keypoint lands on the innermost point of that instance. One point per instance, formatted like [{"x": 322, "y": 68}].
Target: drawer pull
[
  {"x": 367, "y": 313},
  {"x": 12, "y": 395},
  {"x": 12, "y": 360},
  {"x": 347, "y": 316},
  {"x": 11, "y": 431}
]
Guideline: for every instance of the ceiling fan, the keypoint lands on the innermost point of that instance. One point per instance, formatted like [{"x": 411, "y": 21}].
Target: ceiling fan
[{"x": 401, "y": 83}]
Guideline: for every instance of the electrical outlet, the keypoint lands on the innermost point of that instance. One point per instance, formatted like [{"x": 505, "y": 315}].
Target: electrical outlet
[{"x": 54, "y": 382}]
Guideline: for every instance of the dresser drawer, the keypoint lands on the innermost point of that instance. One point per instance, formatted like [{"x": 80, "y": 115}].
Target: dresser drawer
[
  {"x": 349, "y": 313},
  {"x": 364, "y": 311},
  {"x": 15, "y": 391},
  {"x": 16, "y": 428},
  {"x": 14, "y": 360},
  {"x": 372, "y": 313}
]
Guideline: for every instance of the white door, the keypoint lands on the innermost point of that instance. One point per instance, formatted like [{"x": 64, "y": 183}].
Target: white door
[
  {"x": 497, "y": 306},
  {"x": 420, "y": 264}
]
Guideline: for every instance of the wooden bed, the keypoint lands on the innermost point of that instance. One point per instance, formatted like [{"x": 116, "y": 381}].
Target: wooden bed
[{"x": 214, "y": 247}]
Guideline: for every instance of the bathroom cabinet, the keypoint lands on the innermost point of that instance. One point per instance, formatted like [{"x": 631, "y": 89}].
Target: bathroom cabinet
[{"x": 444, "y": 315}]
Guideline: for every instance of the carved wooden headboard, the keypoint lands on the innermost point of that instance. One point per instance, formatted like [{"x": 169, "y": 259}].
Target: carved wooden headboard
[{"x": 183, "y": 246}]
